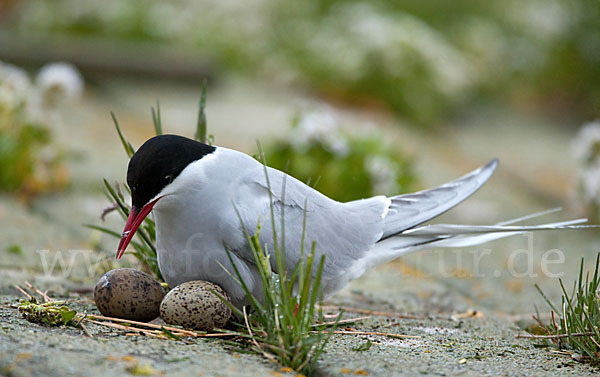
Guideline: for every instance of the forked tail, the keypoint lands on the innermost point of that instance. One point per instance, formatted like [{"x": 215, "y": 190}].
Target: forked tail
[
  {"x": 454, "y": 235},
  {"x": 402, "y": 233}
]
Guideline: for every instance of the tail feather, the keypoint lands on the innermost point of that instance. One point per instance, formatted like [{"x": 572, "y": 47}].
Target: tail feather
[
  {"x": 405, "y": 212},
  {"x": 455, "y": 229},
  {"x": 469, "y": 235},
  {"x": 530, "y": 216},
  {"x": 453, "y": 235}
]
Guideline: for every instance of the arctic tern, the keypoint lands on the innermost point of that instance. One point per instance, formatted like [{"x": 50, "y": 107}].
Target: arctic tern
[{"x": 203, "y": 197}]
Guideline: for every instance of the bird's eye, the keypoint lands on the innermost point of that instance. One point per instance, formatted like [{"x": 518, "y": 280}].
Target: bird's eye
[{"x": 169, "y": 179}]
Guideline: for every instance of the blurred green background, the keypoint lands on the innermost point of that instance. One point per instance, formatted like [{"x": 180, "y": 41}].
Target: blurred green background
[{"x": 426, "y": 61}]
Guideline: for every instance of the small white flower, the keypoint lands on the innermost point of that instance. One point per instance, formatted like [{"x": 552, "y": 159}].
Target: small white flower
[
  {"x": 586, "y": 145},
  {"x": 7, "y": 99},
  {"x": 337, "y": 144},
  {"x": 57, "y": 82},
  {"x": 315, "y": 125},
  {"x": 15, "y": 85},
  {"x": 383, "y": 174},
  {"x": 590, "y": 184},
  {"x": 320, "y": 127}
]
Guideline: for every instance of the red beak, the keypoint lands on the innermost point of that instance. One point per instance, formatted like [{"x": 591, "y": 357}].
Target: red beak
[{"x": 133, "y": 223}]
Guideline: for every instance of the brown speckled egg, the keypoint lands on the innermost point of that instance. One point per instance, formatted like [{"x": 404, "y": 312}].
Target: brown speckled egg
[
  {"x": 193, "y": 306},
  {"x": 130, "y": 294}
]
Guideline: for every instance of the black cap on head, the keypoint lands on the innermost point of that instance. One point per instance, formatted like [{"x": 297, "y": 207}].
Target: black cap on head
[{"x": 158, "y": 162}]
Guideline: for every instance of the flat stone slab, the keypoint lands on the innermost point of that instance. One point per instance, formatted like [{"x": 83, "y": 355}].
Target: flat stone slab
[{"x": 465, "y": 304}]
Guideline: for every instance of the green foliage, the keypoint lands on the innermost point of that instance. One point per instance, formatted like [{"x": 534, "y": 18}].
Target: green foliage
[
  {"x": 22, "y": 167},
  {"x": 30, "y": 163},
  {"x": 54, "y": 313},
  {"x": 425, "y": 60},
  {"x": 15, "y": 248},
  {"x": 577, "y": 323},
  {"x": 342, "y": 166},
  {"x": 144, "y": 242},
  {"x": 282, "y": 326},
  {"x": 19, "y": 153}
]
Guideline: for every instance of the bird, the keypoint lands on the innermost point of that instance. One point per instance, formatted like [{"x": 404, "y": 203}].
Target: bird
[{"x": 205, "y": 199}]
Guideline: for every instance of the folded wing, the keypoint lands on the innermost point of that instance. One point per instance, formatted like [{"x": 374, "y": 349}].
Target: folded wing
[{"x": 409, "y": 210}]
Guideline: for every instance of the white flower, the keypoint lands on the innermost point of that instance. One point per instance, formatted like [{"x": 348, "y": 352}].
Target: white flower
[
  {"x": 543, "y": 20},
  {"x": 590, "y": 184},
  {"x": 337, "y": 144},
  {"x": 358, "y": 31},
  {"x": 383, "y": 174},
  {"x": 57, "y": 82},
  {"x": 586, "y": 148},
  {"x": 315, "y": 125},
  {"x": 320, "y": 127},
  {"x": 7, "y": 99},
  {"x": 586, "y": 145},
  {"x": 14, "y": 85}
]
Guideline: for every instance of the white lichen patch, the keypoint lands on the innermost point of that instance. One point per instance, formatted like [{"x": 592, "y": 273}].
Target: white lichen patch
[{"x": 436, "y": 330}]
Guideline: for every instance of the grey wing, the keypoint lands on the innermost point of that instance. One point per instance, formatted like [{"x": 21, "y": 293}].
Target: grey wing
[
  {"x": 343, "y": 232},
  {"x": 410, "y": 210}
]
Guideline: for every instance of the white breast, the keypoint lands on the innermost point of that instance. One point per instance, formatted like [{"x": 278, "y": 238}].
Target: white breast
[{"x": 195, "y": 218}]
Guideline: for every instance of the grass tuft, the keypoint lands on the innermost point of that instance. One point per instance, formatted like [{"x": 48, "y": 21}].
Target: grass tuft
[{"x": 575, "y": 325}]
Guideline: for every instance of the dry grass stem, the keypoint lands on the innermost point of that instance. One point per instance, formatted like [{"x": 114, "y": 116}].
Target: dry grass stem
[
  {"x": 342, "y": 321},
  {"x": 265, "y": 354},
  {"x": 29, "y": 297},
  {"x": 554, "y": 336},
  {"x": 373, "y": 313},
  {"x": 43, "y": 294},
  {"x": 85, "y": 329},
  {"x": 151, "y": 325}
]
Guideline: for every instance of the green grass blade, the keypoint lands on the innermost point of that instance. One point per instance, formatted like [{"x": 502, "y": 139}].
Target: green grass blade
[
  {"x": 270, "y": 193},
  {"x": 103, "y": 230},
  {"x": 201, "y": 124},
  {"x": 316, "y": 289},
  {"x": 573, "y": 319},
  {"x": 548, "y": 301},
  {"x": 157, "y": 119},
  {"x": 116, "y": 198},
  {"x": 235, "y": 310},
  {"x": 109, "y": 232},
  {"x": 126, "y": 145},
  {"x": 240, "y": 280}
]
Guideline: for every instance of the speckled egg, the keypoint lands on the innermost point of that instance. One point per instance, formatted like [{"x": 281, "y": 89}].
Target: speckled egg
[
  {"x": 129, "y": 294},
  {"x": 193, "y": 305}
]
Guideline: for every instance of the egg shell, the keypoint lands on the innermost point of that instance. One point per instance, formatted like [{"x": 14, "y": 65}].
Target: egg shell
[
  {"x": 129, "y": 294},
  {"x": 193, "y": 305}
]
